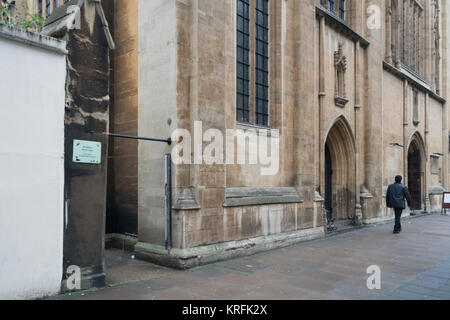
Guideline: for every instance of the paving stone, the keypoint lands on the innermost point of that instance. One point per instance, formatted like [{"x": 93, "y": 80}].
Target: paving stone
[
  {"x": 437, "y": 274},
  {"x": 414, "y": 266},
  {"x": 440, "y": 294},
  {"x": 310, "y": 284},
  {"x": 355, "y": 292},
  {"x": 445, "y": 287},
  {"x": 416, "y": 289},
  {"x": 311, "y": 264},
  {"x": 279, "y": 291},
  {"x": 428, "y": 282},
  {"x": 399, "y": 293},
  {"x": 208, "y": 271},
  {"x": 144, "y": 287},
  {"x": 176, "y": 294},
  {"x": 386, "y": 297}
]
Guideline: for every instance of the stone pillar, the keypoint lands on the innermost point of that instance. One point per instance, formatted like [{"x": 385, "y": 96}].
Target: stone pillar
[
  {"x": 322, "y": 94},
  {"x": 374, "y": 116},
  {"x": 87, "y": 119},
  {"x": 405, "y": 130},
  {"x": 389, "y": 33},
  {"x": 358, "y": 214},
  {"x": 157, "y": 111},
  {"x": 426, "y": 174},
  {"x": 306, "y": 111},
  {"x": 445, "y": 92}
]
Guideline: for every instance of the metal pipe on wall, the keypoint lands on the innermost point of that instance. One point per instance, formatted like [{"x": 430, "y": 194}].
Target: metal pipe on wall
[{"x": 168, "y": 175}]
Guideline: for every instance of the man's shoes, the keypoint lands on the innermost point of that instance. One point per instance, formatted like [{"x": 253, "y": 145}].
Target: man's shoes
[{"x": 396, "y": 232}]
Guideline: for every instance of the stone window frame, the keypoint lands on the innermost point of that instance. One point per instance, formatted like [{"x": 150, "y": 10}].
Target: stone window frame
[
  {"x": 413, "y": 29},
  {"x": 435, "y": 168},
  {"x": 273, "y": 22},
  {"x": 243, "y": 66},
  {"x": 336, "y": 7},
  {"x": 407, "y": 35},
  {"x": 40, "y": 7},
  {"x": 48, "y": 7}
]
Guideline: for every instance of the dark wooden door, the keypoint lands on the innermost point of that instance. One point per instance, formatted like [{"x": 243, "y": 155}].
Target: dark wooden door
[
  {"x": 415, "y": 179},
  {"x": 328, "y": 183}
]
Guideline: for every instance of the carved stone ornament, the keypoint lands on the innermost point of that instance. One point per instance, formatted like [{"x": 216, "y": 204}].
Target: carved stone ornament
[{"x": 340, "y": 66}]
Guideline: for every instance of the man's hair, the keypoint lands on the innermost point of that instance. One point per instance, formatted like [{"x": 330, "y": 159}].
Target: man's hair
[{"x": 398, "y": 179}]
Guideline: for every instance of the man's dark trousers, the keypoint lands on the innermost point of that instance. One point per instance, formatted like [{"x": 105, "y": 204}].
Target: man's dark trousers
[{"x": 398, "y": 216}]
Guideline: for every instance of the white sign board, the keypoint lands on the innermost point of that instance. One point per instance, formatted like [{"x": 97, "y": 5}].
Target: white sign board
[
  {"x": 447, "y": 198},
  {"x": 87, "y": 152}
]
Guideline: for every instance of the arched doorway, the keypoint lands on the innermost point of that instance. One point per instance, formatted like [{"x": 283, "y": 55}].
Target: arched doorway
[
  {"x": 339, "y": 179},
  {"x": 416, "y": 165}
]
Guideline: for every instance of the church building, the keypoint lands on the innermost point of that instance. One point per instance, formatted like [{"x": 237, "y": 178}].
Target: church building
[{"x": 357, "y": 91}]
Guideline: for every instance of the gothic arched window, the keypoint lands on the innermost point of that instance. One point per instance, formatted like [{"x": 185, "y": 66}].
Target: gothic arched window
[{"x": 407, "y": 36}]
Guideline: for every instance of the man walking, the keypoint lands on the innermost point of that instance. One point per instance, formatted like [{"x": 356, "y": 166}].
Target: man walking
[{"x": 395, "y": 198}]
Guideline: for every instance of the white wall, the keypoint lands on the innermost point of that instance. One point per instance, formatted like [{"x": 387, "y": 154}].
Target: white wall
[{"x": 32, "y": 95}]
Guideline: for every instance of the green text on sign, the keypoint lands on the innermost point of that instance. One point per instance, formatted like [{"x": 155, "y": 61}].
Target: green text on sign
[{"x": 87, "y": 152}]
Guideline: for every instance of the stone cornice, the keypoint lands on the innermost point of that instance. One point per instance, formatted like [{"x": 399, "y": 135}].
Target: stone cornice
[
  {"x": 341, "y": 26},
  {"x": 244, "y": 196},
  {"x": 33, "y": 39},
  {"x": 404, "y": 74}
]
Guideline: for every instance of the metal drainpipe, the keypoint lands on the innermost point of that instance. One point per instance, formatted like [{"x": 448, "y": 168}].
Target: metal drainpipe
[
  {"x": 168, "y": 167},
  {"x": 168, "y": 178}
]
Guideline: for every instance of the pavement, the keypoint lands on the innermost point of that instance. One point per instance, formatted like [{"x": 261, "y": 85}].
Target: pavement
[{"x": 414, "y": 265}]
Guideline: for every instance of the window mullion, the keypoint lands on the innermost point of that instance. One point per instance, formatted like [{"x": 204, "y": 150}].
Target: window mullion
[
  {"x": 243, "y": 66},
  {"x": 261, "y": 62}
]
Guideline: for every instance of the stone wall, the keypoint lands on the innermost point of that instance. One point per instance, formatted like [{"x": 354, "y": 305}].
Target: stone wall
[
  {"x": 122, "y": 212},
  {"x": 86, "y": 118},
  {"x": 187, "y": 73}
]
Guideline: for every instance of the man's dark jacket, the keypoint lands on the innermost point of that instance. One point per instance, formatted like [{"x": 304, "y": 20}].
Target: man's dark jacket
[{"x": 396, "y": 195}]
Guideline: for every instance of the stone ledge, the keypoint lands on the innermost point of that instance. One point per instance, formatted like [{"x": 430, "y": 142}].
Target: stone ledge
[
  {"x": 238, "y": 197},
  {"x": 33, "y": 39},
  {"x": 341, "y": 26},
  {"x": 436, "y": 190},
  {"x": 193, "y": 257},
  {"x": 120, "y": 241},
  {"x": 404, "y": 74}
]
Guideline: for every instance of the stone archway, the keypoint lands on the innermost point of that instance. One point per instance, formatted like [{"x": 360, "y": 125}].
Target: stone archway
[
  {"x": 340, "y": 168},
  {"x": 416, "y": 178}
]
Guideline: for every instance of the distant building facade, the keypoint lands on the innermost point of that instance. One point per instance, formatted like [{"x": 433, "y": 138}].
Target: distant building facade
[{"x": 43, "y": 7}]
